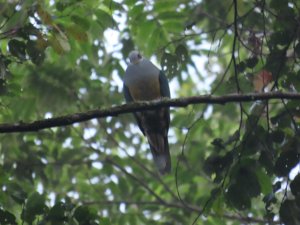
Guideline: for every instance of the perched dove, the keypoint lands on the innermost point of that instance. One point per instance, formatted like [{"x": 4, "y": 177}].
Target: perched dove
[{"x": 143, "y": 81}]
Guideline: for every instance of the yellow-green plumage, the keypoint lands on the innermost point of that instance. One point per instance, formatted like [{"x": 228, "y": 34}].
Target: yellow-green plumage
[{"x": 144, "y": 82}]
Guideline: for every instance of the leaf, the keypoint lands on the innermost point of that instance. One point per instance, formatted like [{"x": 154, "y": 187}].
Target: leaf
[
  {"x": 181, "y": 53},
  {"x": 237, "y": 198},
  {"x": 114, "y": 5},
  {"x": 61, "y": 6},
  {"x": 261, "y": 80},
  {"x": 250, "y": 145},
  {"x": 248, "y": 182},
  {"x": 78, "y": 33},
  {"x": 17, "y": 48},
  {"x": 282, "y": 37},
  {"x": 278, "y": 136},
  {"x": 57, "y": 213},
  {"x": 35, "y": 205},
  {"x": 251, "y": 62},
  {"x": 173, "y": 26},
  {"x": 128, "y": 46},
  {"x": 241, "y": 67},
  {"x": 104, "y": 19},
  {"x": 272, "y": 66},
  {"x": 278, "y": 4},
  {"x": 105, "y": 221},
  {"x": 158, "y": 38},
  {"x": 217, "y": 164},
  {"x": 266, "y": 160},
  {"x": 170, "y": 15},
  {"x": 289, "y": 212},
  {"x": 60, "y": 43},
  {"x": 276, "y": 186},
  {"x": 269, "y": 199},
  {"x": 44, "y": 15},
  {"x": 147, "y": 32},
  {"x": 7, "y": 218},
  {"x": 80, "y": 21},
  {"x": 264, "y": 181},
  {"x": 83, "y": 215},
  {"x": 3, "y": 69},
  {"x": 16, "y": 192},
  {"x": 36, "y": 54},
  {"x": 169, "y": 64},
  {"x": 297, "y": 49},
  {"x": 286, "y": 161},
  {"x": 164, "y": 6},
  {"x": 295, "y": 185}
]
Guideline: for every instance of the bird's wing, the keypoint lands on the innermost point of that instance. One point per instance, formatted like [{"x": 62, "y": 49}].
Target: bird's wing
[
  {"x": 127, "y": 94},
  {"x": 129, "y": 99},
  {"x": 164, "y": 85},
  {"x": 165, "y": 92}
]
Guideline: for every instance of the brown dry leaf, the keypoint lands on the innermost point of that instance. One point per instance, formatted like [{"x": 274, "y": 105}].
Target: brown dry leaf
[
  {"x": 44, "y": 15},
  {"x": 261, "y": 80}
]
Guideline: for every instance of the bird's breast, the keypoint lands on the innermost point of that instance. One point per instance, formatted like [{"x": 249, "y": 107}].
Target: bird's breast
[{"x": 145, "y": 88}]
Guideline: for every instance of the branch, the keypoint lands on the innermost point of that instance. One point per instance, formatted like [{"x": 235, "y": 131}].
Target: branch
[{"x": 140, "y": 106}]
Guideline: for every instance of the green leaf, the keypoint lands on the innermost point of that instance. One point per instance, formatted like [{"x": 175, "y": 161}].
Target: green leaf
[
  {"x": 297, "y": 49},
  {"x": 36, "y": 54},
  {"x": 35, "y": 205},
  {"x": 295, "y": 185},
  {"x": 251, "y": 62},
  {"x": 286, "y": 161},
  {"x": 266, "y": 160},
  {"x": 237, "y": 198},
  {"x": 83, "y": 214},
  {"x": 280, "y": 38},
  {"x": 278, "y": 4},
  {"x": 241, "y": 67},
  {"x": 16, "y": 192},
  {"x": 264, "y": 181},
  {"x": 61, "y": 6},
  {"x": 289, "y": 212},
  {"x": 181, "y": 53},
  {"x": 60, "y": 43},
  {"x": 217, "y": 164},
  {"x": 146, "y": 29},
  {"x": 248, "y": 182},
  {"x": 80, "y": 21},
  {"x": 169, "y": 64},
  {"x": 78, "y": 33},
  {"x": 57, "y": 213},
  {"x": 105, "y": 221},
  {"x": 166, "y": 5},
  {"x": 7, "y": 218},
  {"x": 173, "y": 26},
  {"x": 17, "y": 48},
  {"x": 104, "y": 19}
]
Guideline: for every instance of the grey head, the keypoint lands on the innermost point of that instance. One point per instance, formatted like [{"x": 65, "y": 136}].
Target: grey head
[{"x": 135, "y": 57}]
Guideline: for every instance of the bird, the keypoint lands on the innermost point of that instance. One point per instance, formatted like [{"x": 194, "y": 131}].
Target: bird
[{"x": 143, "y": 81}]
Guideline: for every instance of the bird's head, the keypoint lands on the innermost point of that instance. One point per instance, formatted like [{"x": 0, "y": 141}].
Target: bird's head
[{"x": 135, "y": 57}]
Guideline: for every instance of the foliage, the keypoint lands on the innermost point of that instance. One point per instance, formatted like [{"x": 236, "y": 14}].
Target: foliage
[{"x": 231, "y": 163}]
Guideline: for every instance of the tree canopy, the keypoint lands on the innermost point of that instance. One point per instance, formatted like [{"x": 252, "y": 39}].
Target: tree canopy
[{"x": 233, "y": 163}]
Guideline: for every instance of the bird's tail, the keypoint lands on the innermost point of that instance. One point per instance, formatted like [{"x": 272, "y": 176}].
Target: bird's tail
[{"x": 159, "y": 146}]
